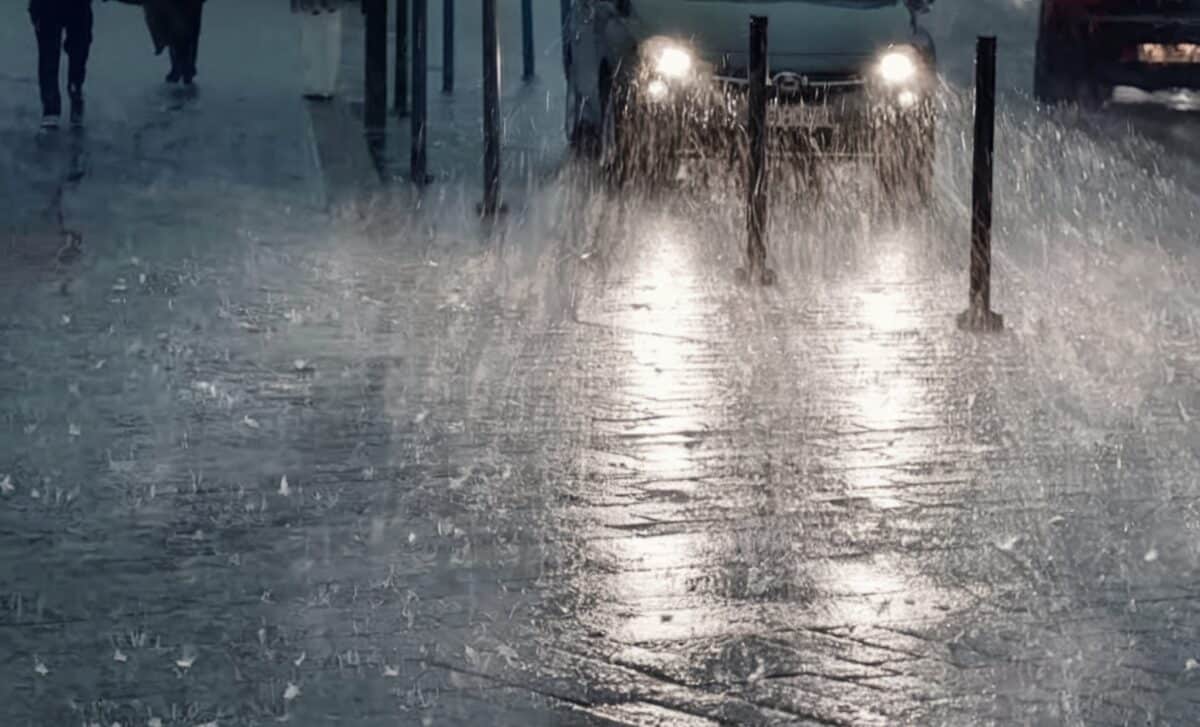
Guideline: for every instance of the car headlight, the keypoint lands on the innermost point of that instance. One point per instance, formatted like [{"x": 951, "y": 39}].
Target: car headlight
[
  {"x": 897, "y": 67},
  {"x": 673, "y": 62},
  {"x": 657, "y": 89}
]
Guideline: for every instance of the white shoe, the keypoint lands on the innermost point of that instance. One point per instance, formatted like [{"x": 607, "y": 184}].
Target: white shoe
[{"x": 49, "y": 122}]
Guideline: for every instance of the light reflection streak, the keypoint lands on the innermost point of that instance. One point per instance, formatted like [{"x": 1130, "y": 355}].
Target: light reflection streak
[
  {"x": 888, "y": 405},
  {"x": 661, "y": 390}
]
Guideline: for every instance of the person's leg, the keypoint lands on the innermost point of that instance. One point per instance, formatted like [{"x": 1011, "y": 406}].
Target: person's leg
[
  {"x": 311, "y": 40},
  {"x": 320, "y": 44},
  {"x": 192, "y": 40},
  {"x": 78, "y": 46},
  {"x": 159, "y": 23},
  {"x": 49, "y": 32},
  {"x": 333, "y": 50},
  {"x": 176, "y": 72}
]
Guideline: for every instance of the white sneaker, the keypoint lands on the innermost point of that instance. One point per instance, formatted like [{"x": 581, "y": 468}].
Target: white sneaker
[{"x": 49, "y": 122}]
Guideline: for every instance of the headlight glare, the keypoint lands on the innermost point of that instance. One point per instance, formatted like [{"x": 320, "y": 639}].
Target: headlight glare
[
  {"x": 657, "y": 89},
  {"x": 673, "y": 62},
  {"x": 896, "y": 67}
]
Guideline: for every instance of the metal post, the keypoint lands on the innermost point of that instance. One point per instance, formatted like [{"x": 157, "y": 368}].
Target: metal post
[
  {"x": 756, "y": 182},
  {"x": 979, "y": 315},
  {"x": 375, "y": 97},
  {"x": 401, "y": 91},
  {"x": 527, "y": 38},
  {"x": 565, "y": 8},
  {"x": 420, "y": 83},
  {"x": 447, "y": 46},
  {"x": 491, "y": 111}
]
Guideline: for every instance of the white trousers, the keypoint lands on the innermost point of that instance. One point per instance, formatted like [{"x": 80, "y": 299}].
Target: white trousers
[{"x": 321, "y": 48}]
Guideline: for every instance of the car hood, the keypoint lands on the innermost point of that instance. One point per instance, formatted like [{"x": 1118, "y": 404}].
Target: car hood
[{"x": 810, "y": 32}]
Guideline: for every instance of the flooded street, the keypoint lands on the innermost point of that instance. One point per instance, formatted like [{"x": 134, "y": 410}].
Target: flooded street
[{"x": 385, "y": 465}]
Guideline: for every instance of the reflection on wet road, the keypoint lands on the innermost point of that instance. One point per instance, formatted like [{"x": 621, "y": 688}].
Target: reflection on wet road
[
  {"x": 575, "y": 475},
  {"x": 676, "y": 501}
]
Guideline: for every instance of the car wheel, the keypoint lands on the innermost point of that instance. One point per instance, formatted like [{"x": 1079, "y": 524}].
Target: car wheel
[
  {"x": 904, "y": 156},
  {"x": 637, "y": 143},
  {"x": 1049, "y": 86},
  {"x": 1092, "y": 95},
  {"x": 1060, "y": 72},
  {"x": 582, "y": 136},
  {"x": 615, "y": 156}
]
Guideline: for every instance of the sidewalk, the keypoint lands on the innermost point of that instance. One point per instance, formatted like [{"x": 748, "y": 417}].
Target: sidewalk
[
  {"x": 532, "y": 111},
  {"x": 261, "y": 464}
]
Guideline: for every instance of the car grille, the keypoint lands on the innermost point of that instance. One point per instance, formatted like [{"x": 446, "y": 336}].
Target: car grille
[{"x": 807, "y": 88}]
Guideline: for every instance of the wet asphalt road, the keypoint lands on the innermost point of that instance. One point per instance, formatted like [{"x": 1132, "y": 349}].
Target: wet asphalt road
[{"x": 259, "y": 464}]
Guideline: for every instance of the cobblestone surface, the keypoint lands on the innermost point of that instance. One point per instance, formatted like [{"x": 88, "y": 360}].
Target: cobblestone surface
[{"x": 389, "y": 467}]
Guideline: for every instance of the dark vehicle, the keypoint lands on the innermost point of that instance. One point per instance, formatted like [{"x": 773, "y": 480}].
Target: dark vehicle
[
  {"x": 653, "y": 81},
  {"x": 1087, "y": 47}
]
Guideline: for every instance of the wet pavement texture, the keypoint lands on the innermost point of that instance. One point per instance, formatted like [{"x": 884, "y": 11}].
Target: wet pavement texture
[{"x": 387, "y": 466}]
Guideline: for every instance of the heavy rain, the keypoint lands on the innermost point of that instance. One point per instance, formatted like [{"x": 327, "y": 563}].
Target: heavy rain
[{"x": 290, "y": 432}]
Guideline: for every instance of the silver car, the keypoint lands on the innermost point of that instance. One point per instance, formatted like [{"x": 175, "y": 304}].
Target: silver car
[{"x": 651, "y": 81}]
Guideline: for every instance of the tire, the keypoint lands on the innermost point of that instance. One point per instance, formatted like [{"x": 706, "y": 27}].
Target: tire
[
  {"x": 1061, "y": 78},
  {"x": 1049, "y": 85},
  {"x": 904, "y": 154},
  {"x": 1093, "y": 95},
  {"x": 583, "y": 138},
  {"x": 1057, "y": 76},
  {"x": 615, "y": 154},
  {"x": 637, "y": 144},
  {"x": 1060, "y": 72}
]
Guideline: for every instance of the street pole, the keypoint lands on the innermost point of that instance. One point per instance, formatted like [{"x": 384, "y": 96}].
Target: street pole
[
  {"x": 979, "y": 315},
  {"x": 527, "y": 39},
  {"x": 491, "y": 111},
  {"x": 420, "y": 79},
  {"x": 375, "y": 97},
  {"x": 401, "y": 101},
  {"x": 757, "y": 192},
  {"x": 447, "y": 46},
  {"x": 564, "y": 7}
]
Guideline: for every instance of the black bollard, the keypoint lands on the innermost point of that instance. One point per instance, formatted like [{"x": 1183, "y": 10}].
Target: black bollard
[
  {"x": 375, "y": 99},
  {"x": 527, "y": 39},
  {"x": 757, "y": 193},
  {"x": 564, "y": 7},
  {"x": 491, "y": 111},
  {"x": 979, "y": 315},
  {"x": 401, "y": 91},
  {"x": 447, "y": 46},
  {"x": 420, "y": 83}
]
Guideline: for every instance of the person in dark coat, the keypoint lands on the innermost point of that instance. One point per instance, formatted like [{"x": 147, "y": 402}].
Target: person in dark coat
[
  {"x": 62, "y": 25},
  {"x": 175, "y": 26}
]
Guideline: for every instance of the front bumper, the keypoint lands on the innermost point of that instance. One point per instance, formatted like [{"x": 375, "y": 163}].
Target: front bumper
[{"x": 834, "y": 115}]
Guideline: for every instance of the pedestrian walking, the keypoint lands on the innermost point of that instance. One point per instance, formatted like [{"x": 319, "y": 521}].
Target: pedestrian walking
[
  {"x": 62, "y": 25},
  {"x": 181, "y": 20},
  {"x": 320, "y": 45},
  {"x": 174, "y": 26}
]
